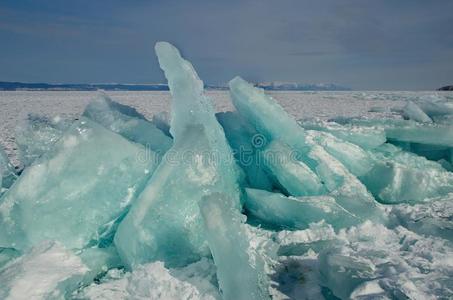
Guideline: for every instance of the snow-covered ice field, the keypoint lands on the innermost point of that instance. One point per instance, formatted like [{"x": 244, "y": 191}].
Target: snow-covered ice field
[{"x": 15, "y": 106}]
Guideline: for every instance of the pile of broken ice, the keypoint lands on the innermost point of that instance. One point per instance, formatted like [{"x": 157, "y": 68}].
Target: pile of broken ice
[{"x": 248, "y": 204}]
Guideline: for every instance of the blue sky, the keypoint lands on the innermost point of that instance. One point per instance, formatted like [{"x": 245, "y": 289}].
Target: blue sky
[{"x": 385, "y": 44}]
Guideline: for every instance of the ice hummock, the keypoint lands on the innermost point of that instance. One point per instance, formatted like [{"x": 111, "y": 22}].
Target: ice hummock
[{"x": 250, "y": 204}]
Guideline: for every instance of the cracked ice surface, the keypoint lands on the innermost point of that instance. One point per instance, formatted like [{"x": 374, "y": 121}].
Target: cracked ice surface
[{"x": 352, "y": 201}]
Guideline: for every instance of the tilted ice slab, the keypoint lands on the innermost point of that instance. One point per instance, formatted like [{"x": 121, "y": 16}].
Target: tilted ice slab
[
  {"x": 411, "y": 111},
  {"x": 411, "y": 131},
  {"x": 127, "y": 122},
  {"x": 49, "y": 271},
  {"x": 165, "y": 223},
  {"x": 320, "y": 152},
  {"x": 403, "y": 177},
  {"x": 432, "y": 140},
  {"x": 154, "y": 281},
  {"x": 36, "y": 135},
  {"x": 74, "y": 192},
  {"x": 292, "y": 174},
  {"x": 265, "y": 114},
  {"x": 297, "y": 213},
  {"x": 247, "y": 145},
  {"x": 347, "y": 189},
  {"x": 241, "y": 275},
  {"x": 354, "y": 158},
  {"x": 435, "y": 106}
]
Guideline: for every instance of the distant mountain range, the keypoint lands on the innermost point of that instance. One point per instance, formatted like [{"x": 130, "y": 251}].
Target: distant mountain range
[
  {"x": 272, "y": 86},
  {"x": 20, "y": 86},
  {"x": 294, "y": 86},
  {"x": 446, "y": 88}
]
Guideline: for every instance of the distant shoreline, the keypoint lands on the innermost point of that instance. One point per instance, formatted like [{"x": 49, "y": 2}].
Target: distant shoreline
[{"x": 21, "y": 86}]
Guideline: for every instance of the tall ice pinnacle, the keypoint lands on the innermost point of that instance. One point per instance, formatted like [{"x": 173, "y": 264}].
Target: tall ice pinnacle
[
  {"x": 165, "y": 222},
  {"x": 189, "y": 104}
]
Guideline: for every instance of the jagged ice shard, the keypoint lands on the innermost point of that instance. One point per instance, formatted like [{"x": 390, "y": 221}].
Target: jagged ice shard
[
  {"x": 7, "y": 171},
  {"x": 248, "y": 204},
  {"x": 36, "y": 135},
  {"x": 412, "y": 112},
  {"x": 241, "y": 276},
  {"x": 315, "y": 158},
  {"x": 265, "y": 114},
  {"x": 127, "y": 122},
  {"x": 297, "y": 213},
  {"x": 165, "y": 222},
  {"x": 246, "y": 144},
  {"x": 84, "y": 182},
  {"x": 293, "y": 175}
]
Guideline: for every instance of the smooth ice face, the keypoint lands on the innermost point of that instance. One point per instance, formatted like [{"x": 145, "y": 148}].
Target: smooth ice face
[
  {"x": 247, "y": 145},
  {"x": 36, "y": 135},
  {"x": 412, "y": 112},
  {"x": 241, "y": 275},
  {"x": 85, "y": 182},
  {"x": 292, "y": 174},
  {"x": 154, "y": 281},
  {"x": 7, "y": 171},
  {"x": 165, "y": 223},
  {"x": 347, "y": 189},
  {"x": 296, "y": 213},
  {"x": 372, "y": 261},
  {"x": 265, "y": 114},
  {"x": 354, "y": 158},
  {"x": 127, "y": 122},
  {"x": 162, "y": 121},
  {"x": 367, "y": 138},
  {"x": 6, "y": 255}
]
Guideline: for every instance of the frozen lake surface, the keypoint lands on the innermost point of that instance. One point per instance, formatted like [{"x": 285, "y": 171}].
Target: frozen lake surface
[
  {"x": 398, "y": 244},
  {"x": 324, "y": 105}
]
